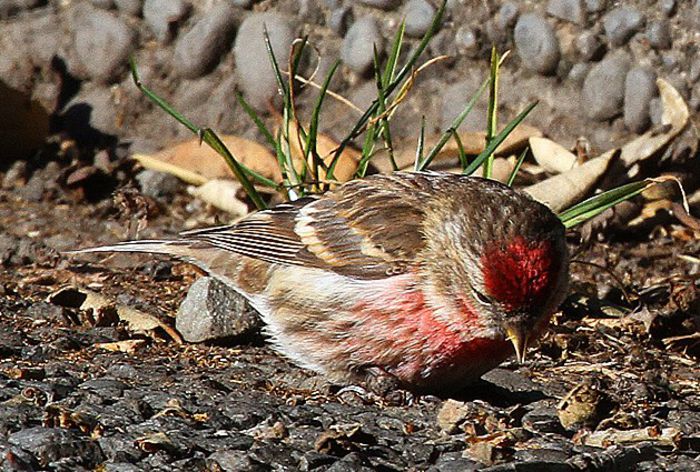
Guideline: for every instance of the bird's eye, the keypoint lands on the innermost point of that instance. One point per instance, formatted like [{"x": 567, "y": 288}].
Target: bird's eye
[{"x": 483, "y": 299}]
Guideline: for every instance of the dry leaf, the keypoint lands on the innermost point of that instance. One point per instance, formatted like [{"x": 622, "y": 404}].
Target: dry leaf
[
  {"x": 553, "y": 157},
  {"x": 563, "y": 190},
  {"x": 675, "y": 117},
  {"x": 669, "y": 437},
  {"x": 128, "y": 346},
  {"x": 223, "y": 194},
  {"x": 83, "y": 299},
  {"x": 196, "y": 162}
]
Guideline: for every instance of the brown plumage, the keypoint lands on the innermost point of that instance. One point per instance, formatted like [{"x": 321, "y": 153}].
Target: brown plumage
[{"x": 422, "y": 277}]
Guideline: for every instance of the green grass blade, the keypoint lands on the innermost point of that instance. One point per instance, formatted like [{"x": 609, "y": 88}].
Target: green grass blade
[
  {"x": 220, "y": 149},
  {"x": 312, "y": 135},
  {"x": 419, "y": 149},
  {"x": 597, "y": 204},
  {"x": 385, "y": 129},
  {"x": 518, "y": 163},
  {"x": 498, "y": 139},
  {"x": 267, "y": 134},
  {"x": 400, "y": 76},
  {"x": 390, "y": 69},
  {"x": 463, "y": 161},
  {"x": 492, "y": 113},
  {"x": 213, "y": 140},
  {"x": 454, "y": 126},
  {"x": 159, "y": 101},
  {"x": 275, "y": 66}
]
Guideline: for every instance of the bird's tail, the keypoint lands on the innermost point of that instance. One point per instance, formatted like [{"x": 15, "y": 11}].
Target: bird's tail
[{"x": 151, "y": 246}]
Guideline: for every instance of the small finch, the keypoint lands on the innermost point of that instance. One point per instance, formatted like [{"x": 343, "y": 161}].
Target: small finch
[{"x": 423, "y": 278}]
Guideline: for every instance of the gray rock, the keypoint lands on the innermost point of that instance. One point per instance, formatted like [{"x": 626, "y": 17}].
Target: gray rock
[
  {"x": 640, "y": 88},
  {"x": 242, "y": 3},
  {"x": 454, "y": 99},
  {"x": 604, "y": 88},
  {"x": 213, "y": 311},
  {"x": 656, "y": 110},
  {"x": 419, "y": 15},
  {"x": 578, "y": 72},
  {"x": 589, "y": 46},
  {"x": 568, "y": 10},
  {"x": 130, "y": 7},
  {"x": 52, "y": 444},
  {"x": 339, "y": 20},
  {"x": 253, "y": 66},
  {"x": 162, "y": 16},
  {"x": 199, "y": 50},
  {"x": 542, "y": 418},
  {"x": 91, "y": 111},
  {"x": 694, "y": 72},
  {"x": 104, "y": 4},
  {"x": 357, "y": 51},
  {"x": 621, "y": 23},
  {"x": 668, "y": 7},
  {"x": 103, "y": 43},
  {"x": 536, "y": 43},
  {"x": 382, "y": 4},
  {"x": 467, "y": 41},
  {"x": 158, "y": 185},
  {"x": 595, "y": 6},
  {"x": 659, "y": 34},
  {"x": 16, "y": 176},
  {"x": 507, "y": 15}
]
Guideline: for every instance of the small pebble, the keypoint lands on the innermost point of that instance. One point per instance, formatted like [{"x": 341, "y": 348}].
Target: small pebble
[
  {"x": 589, "y": 46},
  {"x": 621, "y": 23},
  {"x": 382, "y": 4},
  {"x": 507, "y": 15},
  {"x": 604, "y": 88},
  {"x": 158, "y": 185},
  {"x": 103, "y": 43},
  {"x": 694, "y": 72},
  {"x": 595, "y": 6},
  {"x": 640, "y": 88},
  {"x": 536, "y": 43},
  {"x": 467, "y": 41},
  {"x": 130, "y": 7},
  {"x": 419, "y": 16},
  {"x": 253, "y": 67},
  {"x": 340, "y": 19},
  {"x": 357, "y": 51},
  {"x": 162, "y": 16},
  {"x": 578, "y": 72},
  {"x": 568, "y": 10},
  {"x": 668, "y": 7},
  {"x": 200, "y": 49},
  {"x": 659, "y": 34},
  {"x": 213, "y": 311}
]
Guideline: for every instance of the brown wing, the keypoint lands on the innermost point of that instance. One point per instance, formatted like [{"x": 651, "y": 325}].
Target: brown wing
[{"x": 365, "y": 229}]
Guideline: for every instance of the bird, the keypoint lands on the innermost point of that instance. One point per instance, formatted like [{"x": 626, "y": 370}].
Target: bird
[{"x": 423, "y": 278}]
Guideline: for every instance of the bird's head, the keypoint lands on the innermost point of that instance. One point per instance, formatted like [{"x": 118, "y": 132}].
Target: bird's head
[{"x": 506, "y": 262}]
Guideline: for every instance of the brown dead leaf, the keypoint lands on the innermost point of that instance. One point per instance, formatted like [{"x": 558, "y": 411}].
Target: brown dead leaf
[
  {"x": 563, "y": 190},
  {"x": 128, "y": 346},
  {"x": 196, "y": 162},
  {"x": 553, "y": 157},
  {"x": 137, "y": 321},
  {"x": 675, "y": 118},
  {"x": 668, "y": 437},
  {"x": 222, "y": 194}
]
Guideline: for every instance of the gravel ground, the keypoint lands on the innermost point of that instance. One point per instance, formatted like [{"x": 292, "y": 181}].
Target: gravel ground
[{"x": 82, "y": 390}]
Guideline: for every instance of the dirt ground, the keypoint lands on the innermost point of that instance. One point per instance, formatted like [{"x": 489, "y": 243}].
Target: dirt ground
[{"x": 613, "y": 384}]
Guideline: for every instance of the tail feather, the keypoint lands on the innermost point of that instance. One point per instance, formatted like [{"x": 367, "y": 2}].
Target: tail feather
[{"x": 151, "y": 246}]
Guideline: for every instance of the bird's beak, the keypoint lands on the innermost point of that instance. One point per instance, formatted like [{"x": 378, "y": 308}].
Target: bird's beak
[{"x": 519, "y": 337}]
